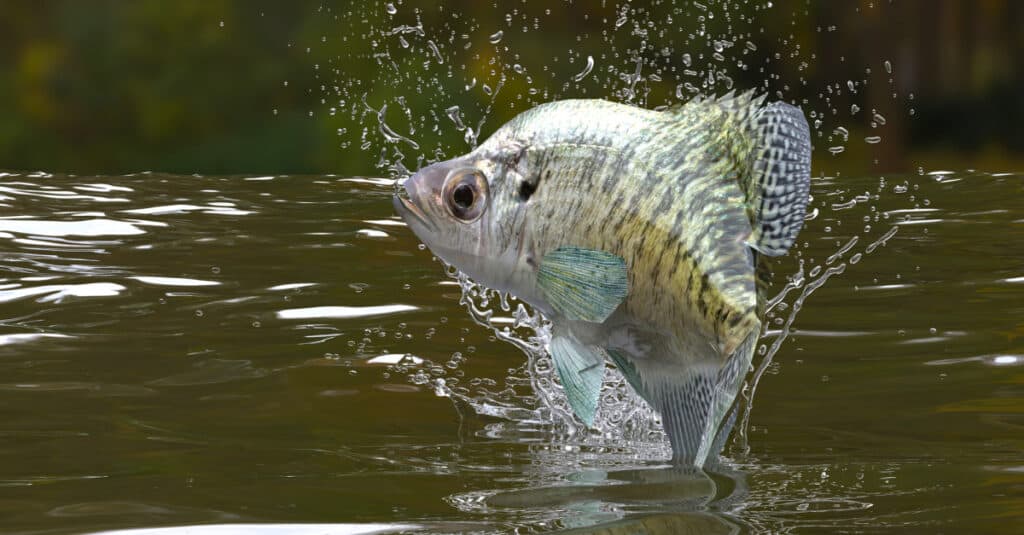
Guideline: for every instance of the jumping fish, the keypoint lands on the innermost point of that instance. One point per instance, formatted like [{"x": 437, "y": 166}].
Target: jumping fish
[{"x": 642, "y": 235}]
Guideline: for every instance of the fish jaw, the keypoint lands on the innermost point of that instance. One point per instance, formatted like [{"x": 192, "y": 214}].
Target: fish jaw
[{"x": 412, "y": 214}]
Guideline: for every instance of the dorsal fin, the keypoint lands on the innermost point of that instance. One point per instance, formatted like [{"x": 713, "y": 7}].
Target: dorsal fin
[
  {"x": 781, "y": 181},
  {"x": 771, "y": 147}
]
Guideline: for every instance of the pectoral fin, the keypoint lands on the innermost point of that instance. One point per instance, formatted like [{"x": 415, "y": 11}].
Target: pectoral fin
[
  {"x": 581, "y": 369},
  {"x": 583, "y": 284}
]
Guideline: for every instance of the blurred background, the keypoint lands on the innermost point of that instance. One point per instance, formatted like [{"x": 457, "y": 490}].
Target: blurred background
[{"x": 251, "y": 86}]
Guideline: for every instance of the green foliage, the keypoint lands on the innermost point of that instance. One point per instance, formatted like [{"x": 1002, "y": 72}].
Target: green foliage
[{"x": 233, "y": 86}]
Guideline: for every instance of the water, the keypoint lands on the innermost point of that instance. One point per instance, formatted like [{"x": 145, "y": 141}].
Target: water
[{"x": 185, "y": 350}]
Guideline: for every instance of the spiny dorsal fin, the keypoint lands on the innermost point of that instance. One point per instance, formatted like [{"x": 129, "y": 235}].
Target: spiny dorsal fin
[
  {"x": 740, "y": 106},
  {"x": 781, "y": 180}
]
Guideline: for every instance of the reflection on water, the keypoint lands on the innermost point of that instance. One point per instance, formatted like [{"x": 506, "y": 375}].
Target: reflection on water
[{"x": 278, "y": 350}]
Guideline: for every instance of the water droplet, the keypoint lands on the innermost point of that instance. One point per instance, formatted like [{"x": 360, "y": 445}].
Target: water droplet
[
  {"x": 390, "y": 8},
  {"x": 495, "y": 37},
  {"x": 455, "y": 114},
  {"x": 437, "y": 53},
  {"x": 873, "y": 139},
  {"x": 586, "y": 70},
  {"x": 888, "y": 67}
]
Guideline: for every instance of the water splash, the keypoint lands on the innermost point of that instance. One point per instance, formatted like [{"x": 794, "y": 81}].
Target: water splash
[{"x": 653, "y": 56}]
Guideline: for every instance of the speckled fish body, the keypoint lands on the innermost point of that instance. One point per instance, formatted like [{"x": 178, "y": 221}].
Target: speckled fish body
[
  {"x": 643, "y": 186},
  {"x": 688, "y": 200}
]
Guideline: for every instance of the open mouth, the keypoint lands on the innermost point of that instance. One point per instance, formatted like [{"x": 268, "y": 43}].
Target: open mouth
[{"x": 407, "y": 208}]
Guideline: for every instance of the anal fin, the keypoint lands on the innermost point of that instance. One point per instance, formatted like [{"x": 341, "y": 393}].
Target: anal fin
[{"x": 693, "y": 399}]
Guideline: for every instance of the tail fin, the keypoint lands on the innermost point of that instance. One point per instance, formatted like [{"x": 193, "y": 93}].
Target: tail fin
[{"x": 779, "y": 187}]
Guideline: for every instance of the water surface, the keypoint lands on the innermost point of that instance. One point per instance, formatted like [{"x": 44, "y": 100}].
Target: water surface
[{"x": 181, "y": 350}]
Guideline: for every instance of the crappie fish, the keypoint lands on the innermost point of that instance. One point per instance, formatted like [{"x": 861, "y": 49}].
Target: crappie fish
[{"x": 642, "y": 235}]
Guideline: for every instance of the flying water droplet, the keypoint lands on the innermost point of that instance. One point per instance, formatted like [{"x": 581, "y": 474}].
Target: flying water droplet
[
  {"x": 586, "y": 70},
  {"x": 495, "y": 37},
  {"x": 437, "y": 53},
  {"x": 455, "y": 114}
]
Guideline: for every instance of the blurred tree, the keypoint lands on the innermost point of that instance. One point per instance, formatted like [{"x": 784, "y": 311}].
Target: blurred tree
[{"x": 232, "y": 86}]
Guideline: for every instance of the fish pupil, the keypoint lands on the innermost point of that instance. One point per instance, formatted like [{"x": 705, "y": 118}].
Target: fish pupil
[
  {"x": 526, "y": 190},
  {"x": 463, "y": 196}
]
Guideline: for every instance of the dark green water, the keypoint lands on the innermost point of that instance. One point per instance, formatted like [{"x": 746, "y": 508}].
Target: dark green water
[{"x": 166, "y": 362}]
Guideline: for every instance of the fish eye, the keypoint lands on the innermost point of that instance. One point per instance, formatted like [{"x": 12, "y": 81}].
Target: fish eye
[{"x": 465, "y": 194}]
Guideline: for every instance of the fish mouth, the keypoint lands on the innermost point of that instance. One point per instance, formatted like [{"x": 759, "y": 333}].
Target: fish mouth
[{"x": 408, "y": 209}]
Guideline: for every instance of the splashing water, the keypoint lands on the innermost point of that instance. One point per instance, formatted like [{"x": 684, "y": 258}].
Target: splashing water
[{"x": 651, "y": 56}]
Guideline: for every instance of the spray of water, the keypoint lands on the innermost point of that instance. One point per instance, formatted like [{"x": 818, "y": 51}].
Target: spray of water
[{"x": 443, "y": 73}]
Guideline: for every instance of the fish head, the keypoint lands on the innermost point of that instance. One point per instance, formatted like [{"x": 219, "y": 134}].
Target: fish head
[{"x": 462, "y": 209}]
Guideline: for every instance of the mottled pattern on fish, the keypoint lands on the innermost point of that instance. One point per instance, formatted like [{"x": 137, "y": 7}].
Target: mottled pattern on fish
[{"x": 664, "y": 190}]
